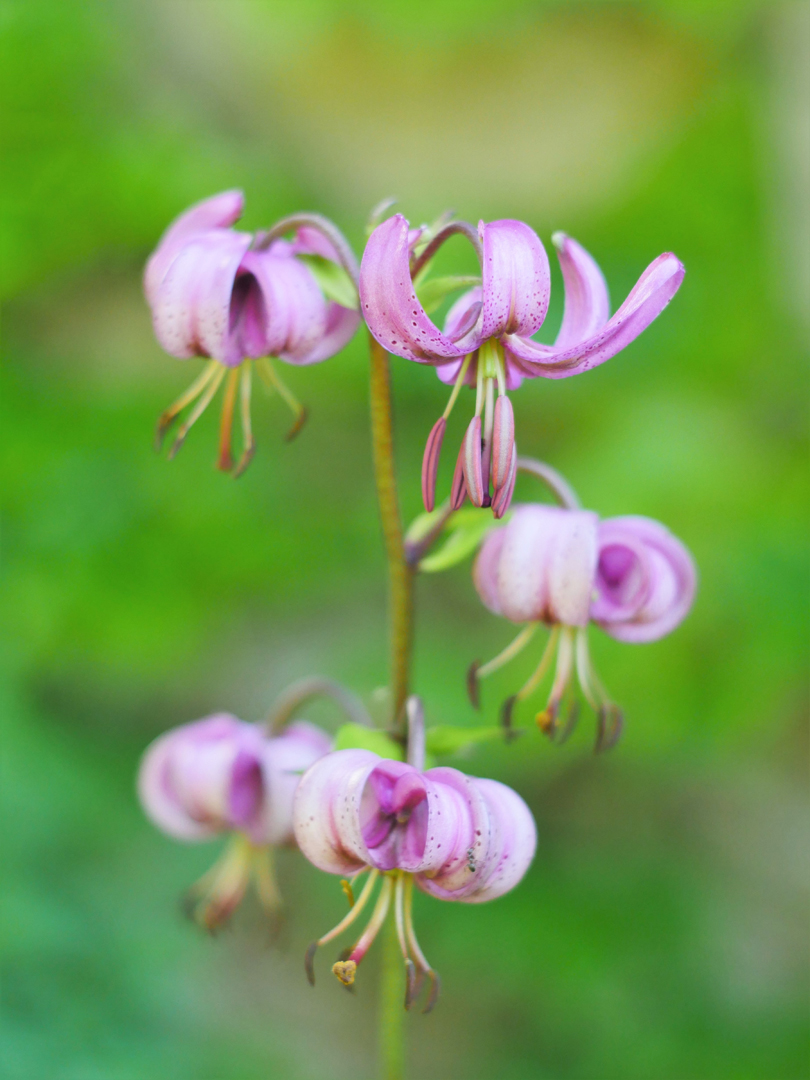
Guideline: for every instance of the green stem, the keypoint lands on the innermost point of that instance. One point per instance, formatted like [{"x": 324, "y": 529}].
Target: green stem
[
  {"x": 392, "y": 1008},
  {"x": 400, "y": 574}
]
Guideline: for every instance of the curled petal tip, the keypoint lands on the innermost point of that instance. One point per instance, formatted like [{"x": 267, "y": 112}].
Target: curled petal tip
[
  {"x": 430, "y": 462},
  {"x": 473, "y": 685},
  {"x": 471, "y": 462}
]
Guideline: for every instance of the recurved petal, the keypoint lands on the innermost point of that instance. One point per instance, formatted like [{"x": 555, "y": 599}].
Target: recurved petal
[
  {"x": 284, "y": 759},
  {"x": 513, "y": 843},
  {"x": 587, "y": 306},
  {"x": 191, "y": 307},
  {"x": 218, "y": 212},
  {"x": 293, "y": 308},
  {"x": 341, "y": 326},
  {"x": 648, "y": 298},
  {"x": 326, "y": 811},
  {"x": 192, "y": 779},
  {"x": 389, "y": 303},
  {"x": 545, "y": 566},
  {"x": 515, "y": 279},
  {"x": 646, "y": 580},
  {"x": 458, "y": 840}
]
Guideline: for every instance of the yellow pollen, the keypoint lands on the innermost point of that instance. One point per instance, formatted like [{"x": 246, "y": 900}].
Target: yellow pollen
[{"x": 345, "y": 971}]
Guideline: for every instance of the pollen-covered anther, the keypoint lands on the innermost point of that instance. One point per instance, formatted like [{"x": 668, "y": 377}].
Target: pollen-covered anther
[
  {"x": 430, "y": 462},
  {"x": 345, "y": 970},
  {"x": 472, "y": 464}
]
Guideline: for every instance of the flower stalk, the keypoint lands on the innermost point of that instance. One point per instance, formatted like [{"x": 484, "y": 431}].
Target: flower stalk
[{"x": 400, "y": 573}]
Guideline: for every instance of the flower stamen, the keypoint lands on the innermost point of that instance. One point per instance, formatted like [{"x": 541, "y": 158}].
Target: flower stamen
[
  {"x": 268, "y": 372},
  {"x": 248, "y": 442},
  {"x": 344, "y": 924},
  {"x": 345, "y": 970},
  {"x": 477, "y": 672},
  {"x": 210, "y": 389},
  {"x": 225, "y": 461},
  {"x": 419, "y": 956},
  {"x": 547, "y": 718},
  {"x": 168, "y": 417}
]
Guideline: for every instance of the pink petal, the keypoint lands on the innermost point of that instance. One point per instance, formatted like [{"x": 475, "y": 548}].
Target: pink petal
[
  {"x": 515, "y": 279},
  {"x": 513, "y": 841},
  {"x": 285, "y": 758},
  {"x": 648, "y": 613},
  {"x": 218, "y": 212},
  {"x": 191, "y": 306},
  {"x": 587, "y": 306},
  {"x": 648, "y": 298},
  {"x": 294, "y": 309},
  {"x": 389, "y": 304}
]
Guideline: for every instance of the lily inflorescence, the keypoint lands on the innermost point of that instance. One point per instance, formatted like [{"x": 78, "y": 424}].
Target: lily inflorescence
[{"x": 364, "y": 806}]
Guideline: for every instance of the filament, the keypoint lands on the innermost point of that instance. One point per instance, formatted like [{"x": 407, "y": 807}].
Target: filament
[
  {"x": 248, "y": 444},
  {"x": 265, "y": 366},
  {"x": 186, "y": 398},
  {"x": 499, "y": 371},
  {"x": 435, "y": 981},
  {"x": 489, "y": 411},
  {"x": 359, "y": 904},
  {"x": 345, "y": 970},
  {"x": 585, "y": 671},
  {"x": 511, "y": 651},
  {"x": 458, "y": 384},
  {"x": 199, "y": 408},
  {"x": 479, "y": 386},
  {"x": 562, "y": 676},
  {"x": 541, "y": 669},
  {"x": 225, "y": 462},
  {"x": 399, "y": 918},
  {"x": 266, "y": 886}
]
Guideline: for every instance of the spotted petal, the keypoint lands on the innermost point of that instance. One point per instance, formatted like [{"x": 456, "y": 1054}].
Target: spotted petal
[
  {"x": 648, "y": 298},
  {"x": 389, "y": 304},
  {"x": 218, "y": 212},
  {"x": 515, "y": 279}
]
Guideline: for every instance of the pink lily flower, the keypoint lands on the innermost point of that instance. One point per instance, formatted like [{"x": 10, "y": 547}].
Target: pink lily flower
[
  {"x": 221, "y": 775},
  {"x": 237, "y": 297},
  {"x": 487, "y": 341},
  {"x": 566, "y": 568},
  {"x": 456, "y": 837}
]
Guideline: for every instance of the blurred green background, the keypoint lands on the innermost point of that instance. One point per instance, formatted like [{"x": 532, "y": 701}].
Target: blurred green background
[{"x": 661, "y": 933}]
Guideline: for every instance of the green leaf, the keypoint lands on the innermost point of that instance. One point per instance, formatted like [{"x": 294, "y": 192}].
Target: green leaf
[
  {"x": 448, "y": 739},
  {"x": 359, "y": 737},
  {"x": 432, "y": 292},
  {"x": 467, "y": 529},
  {"x": 333, "y": 281}
]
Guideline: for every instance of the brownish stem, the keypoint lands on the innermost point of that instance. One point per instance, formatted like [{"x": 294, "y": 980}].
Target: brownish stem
[{"x": 400, "y": 574}]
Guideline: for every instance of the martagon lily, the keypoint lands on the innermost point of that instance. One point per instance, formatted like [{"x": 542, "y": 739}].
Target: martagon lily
[
  {"x": 455, "y": 837},
  {"x": 487, "y": 340},
  {"x": 222, "y": 775},
  {"x": 565, "y": 568},
  {"x": 239, "y": 297}
]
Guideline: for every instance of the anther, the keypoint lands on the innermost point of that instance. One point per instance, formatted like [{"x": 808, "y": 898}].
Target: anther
[
  {"x": 345, "y": 971},
  {"x": 430, "y": 462}
]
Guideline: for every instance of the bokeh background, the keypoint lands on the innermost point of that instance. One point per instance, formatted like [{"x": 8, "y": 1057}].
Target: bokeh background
[{"x": 661, "y": 933}]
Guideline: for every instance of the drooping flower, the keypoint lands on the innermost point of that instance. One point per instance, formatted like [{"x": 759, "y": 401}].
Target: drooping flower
[
  {"x": 456, "y": 837},
  {"x": 222, "y": 775},
  {"x": 566, "y": 568},
  {"x": 487, "y": 337},
  {"x": 237, "y": 297}
]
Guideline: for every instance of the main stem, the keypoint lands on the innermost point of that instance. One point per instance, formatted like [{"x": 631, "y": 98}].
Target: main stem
[
  {"x": 400, "y": 574},
  {"x": 400, "y": 590}
]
